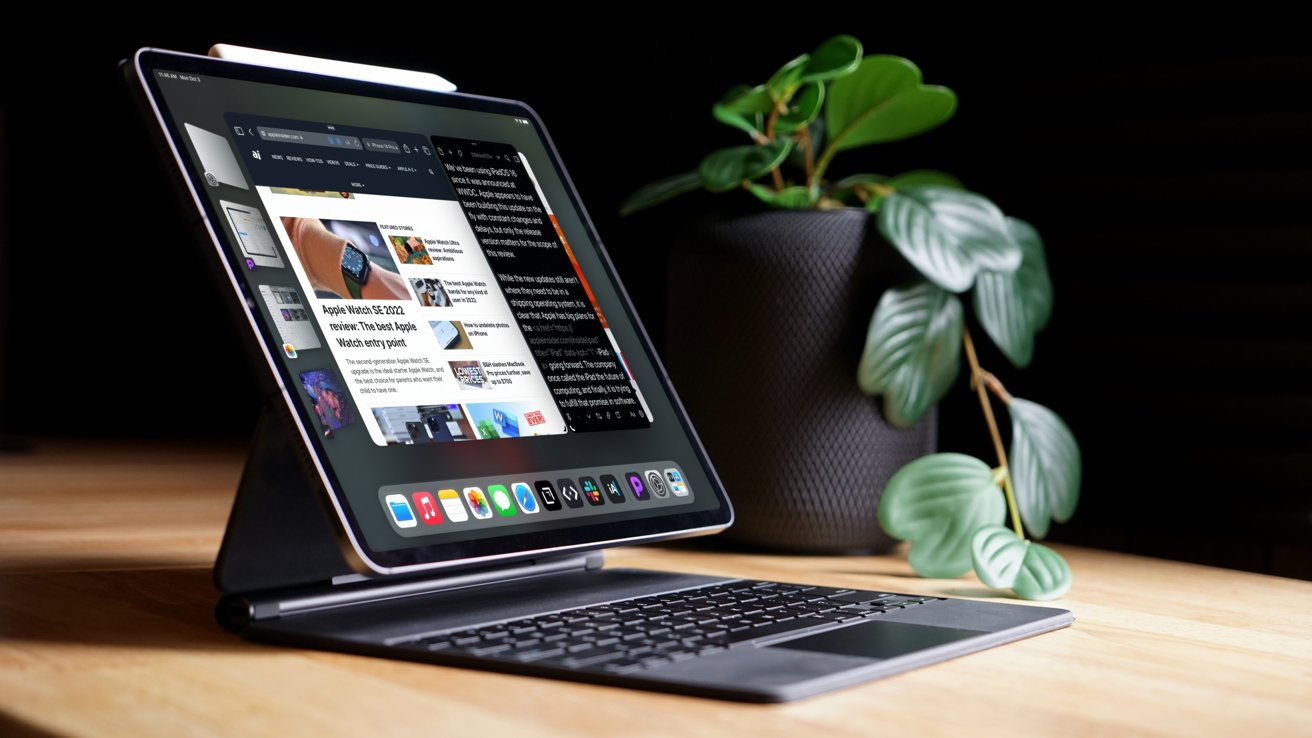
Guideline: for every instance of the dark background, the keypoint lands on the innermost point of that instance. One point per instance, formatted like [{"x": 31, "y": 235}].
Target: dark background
[{"x": 1168, "y": 172}]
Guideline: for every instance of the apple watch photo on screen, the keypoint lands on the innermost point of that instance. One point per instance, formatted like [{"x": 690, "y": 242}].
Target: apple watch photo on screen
[{"x": 337, "y": 267}]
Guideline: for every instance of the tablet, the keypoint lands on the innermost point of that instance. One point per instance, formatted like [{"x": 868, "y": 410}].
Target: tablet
[{"x": 467, "y": 374}]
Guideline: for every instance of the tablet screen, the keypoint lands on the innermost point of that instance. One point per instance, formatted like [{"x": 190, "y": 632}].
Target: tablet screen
[{"x": 422, "y": 279}]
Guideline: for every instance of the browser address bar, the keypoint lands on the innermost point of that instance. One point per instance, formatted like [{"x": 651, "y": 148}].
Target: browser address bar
[{"x": 308, "y": 138}]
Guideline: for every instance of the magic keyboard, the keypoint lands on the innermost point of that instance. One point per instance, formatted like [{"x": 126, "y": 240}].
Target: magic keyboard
[{"x": 643, "y": 632}]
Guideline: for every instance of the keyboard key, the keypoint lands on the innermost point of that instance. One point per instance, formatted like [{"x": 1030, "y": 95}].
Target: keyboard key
[
  {"x": 537, "y": 654},
  {"x": 860, "y": 597},
  {"x": 766, "y": 631},
  {"x": 624, "y": 665},
  {"x": 593, "y": 659}
]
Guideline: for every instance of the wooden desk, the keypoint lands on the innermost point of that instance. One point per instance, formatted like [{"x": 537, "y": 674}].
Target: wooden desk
[{"x": 106, "y": 628}]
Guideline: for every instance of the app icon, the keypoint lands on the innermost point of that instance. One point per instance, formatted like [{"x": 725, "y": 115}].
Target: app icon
[
  {"x": 478, "y": 503},
  {"x": 611, "y": 486},
  {"x": 401, "y": 512},
  {"x": 550, "y": 499},
  {"x": 501, "y": 500},
  {"x": 427, "y": 508},
  {"x": 637, "y": 486},
  {"x": 655, "y": 483},
  {"x": 591, "y": 492},
  {"x": 528, "y": 504},
  {"x": 290, "y": 350},
  {"x": 569, "y": 492},
  {"x": 674, "y": 478},
  {"x": 450, "y": 500}
]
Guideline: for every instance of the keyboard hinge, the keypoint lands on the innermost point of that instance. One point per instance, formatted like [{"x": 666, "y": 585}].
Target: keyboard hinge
[{"x": 236, "y": 611}]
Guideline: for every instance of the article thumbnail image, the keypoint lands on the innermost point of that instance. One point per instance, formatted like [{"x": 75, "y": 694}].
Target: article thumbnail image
[
  {"x": 470, "y": 375},
  {"x": 326, "y": 391},
  {"x": 507, "y": 419},
  {"x": 318, "y": 245},
  {"x": 430, "y": 293},
  {"x": 450, "y": 335},
  {"x": 410, "y": 250},
  {"x": 414, "y": 424},
  {"x": 312, "y": 193}
]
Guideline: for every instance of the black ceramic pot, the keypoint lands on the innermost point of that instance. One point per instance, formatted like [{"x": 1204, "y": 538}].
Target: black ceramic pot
[{"x": 767, "y": 318}]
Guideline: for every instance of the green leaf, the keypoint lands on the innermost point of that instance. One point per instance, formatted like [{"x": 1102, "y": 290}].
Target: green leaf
[
  {"x": 938, "y": 502},
  {"x": 727, "y": 168},
  {"x": 917, "y": 177},
  {"x": 660, "y": 191},
  {"x": 913, "y": 351},
  {"x": 860, "y": 179},
  {"x": 836, "y": 57},
  {"x": 884, "y": 100},
  {"x": 743, "y": 107},
  {"x": 948, "y": 234},
  {"x": 803, "y": 108},
  {"x": 789, "y": 198},
  {"x": 1045, "y": 466},
  {"x": 912, "y": 179},
  {"x": 845, "y": 190},
  {"x": 785, "y": 80},
  {"x": 997, "y": 555},
  {"x": 1013, "y": 306},
  {"x": 1032, "y": 570}
]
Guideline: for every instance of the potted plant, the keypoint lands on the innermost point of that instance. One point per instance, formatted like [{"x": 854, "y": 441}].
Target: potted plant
[{"x": 774, "y": 299}]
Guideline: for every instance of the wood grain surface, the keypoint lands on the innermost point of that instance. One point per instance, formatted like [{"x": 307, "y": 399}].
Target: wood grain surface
[{"x": 106, "y": 628}]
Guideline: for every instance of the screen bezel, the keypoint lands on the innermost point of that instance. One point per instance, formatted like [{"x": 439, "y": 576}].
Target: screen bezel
[{"x": 354, "y": 546}]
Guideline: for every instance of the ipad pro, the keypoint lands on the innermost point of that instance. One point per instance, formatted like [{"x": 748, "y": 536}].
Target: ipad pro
[{"x": 473, "y": 399}]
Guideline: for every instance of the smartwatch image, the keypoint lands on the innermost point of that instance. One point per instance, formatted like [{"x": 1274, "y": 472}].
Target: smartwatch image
[{"x": 355, "y": 269}]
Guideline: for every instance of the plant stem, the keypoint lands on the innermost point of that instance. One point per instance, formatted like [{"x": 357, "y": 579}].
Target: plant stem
[
  {"x": 808, "y": 155},
  {"x": 775, "y": 174},
  {"x": 823, "y": 164},
  {"x": 995, "y": 386},
  {"x": 978, "y": 379}
]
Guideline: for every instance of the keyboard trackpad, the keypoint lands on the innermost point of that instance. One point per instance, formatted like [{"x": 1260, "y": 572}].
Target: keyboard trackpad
[{"x": 878, "y": 640}]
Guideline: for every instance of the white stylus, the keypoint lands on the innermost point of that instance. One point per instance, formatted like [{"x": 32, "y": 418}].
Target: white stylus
[{"x": 333, "y": 68}]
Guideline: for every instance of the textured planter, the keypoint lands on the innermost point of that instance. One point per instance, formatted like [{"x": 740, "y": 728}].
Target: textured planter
[{"x": 767, "y": 318}]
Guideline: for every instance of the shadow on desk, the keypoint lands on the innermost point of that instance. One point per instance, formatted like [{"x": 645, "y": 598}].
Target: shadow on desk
[
  {"x": 137, "y": 608},
  {"x": 15, "y": 727}
]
